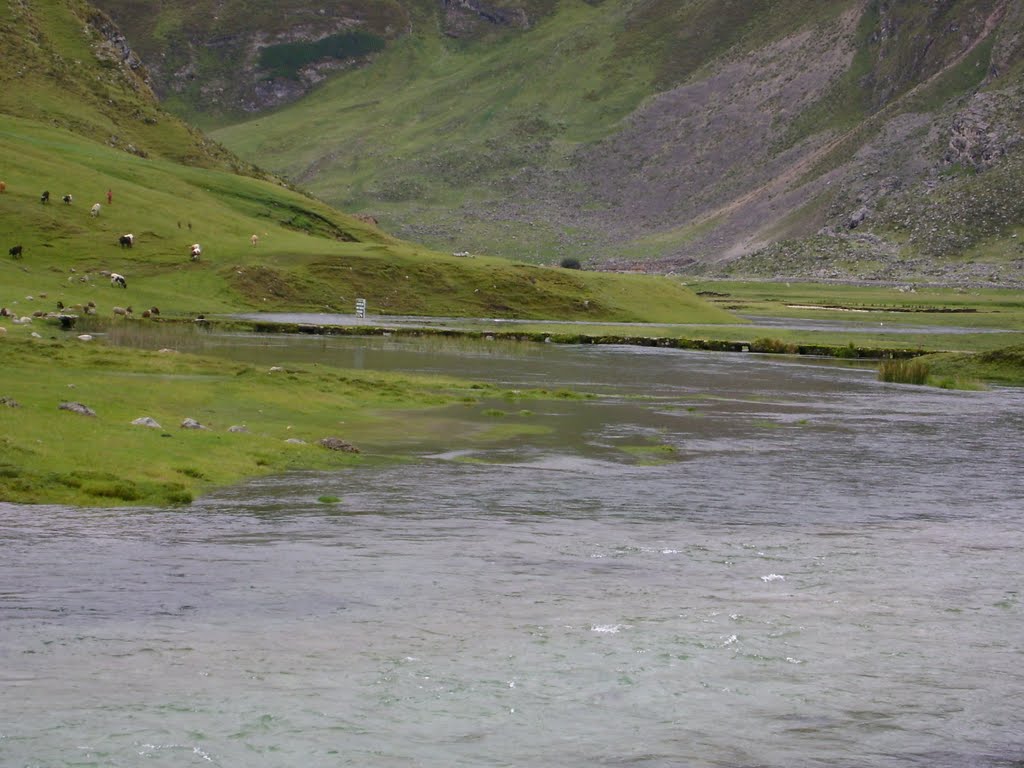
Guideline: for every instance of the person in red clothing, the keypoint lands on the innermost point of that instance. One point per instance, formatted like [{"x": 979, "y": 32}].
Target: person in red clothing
[{"x": 110, "y": 197}]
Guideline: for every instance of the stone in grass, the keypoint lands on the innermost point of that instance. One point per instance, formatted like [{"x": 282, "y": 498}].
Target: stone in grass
[
  {"x": 146, "y": 421},
  {"x": 191, "y": 424},
  {"x": 10, "y": 402},
  {"x": 85, "y": 410},
  {"x": 337, "y": 444},
  {"x": 295, "y": 441},
  {"x": 238, "y": 428}
]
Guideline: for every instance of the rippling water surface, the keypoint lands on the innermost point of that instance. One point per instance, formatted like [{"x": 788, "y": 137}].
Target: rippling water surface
[{"x": 825, "y": 570}]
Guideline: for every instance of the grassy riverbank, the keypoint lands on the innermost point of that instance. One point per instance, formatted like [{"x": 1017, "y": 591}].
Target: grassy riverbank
[
  {"x": 52, "y": 455},
  {"x": 977, "y": 308},
  {"x": 1000, "y": 366}
]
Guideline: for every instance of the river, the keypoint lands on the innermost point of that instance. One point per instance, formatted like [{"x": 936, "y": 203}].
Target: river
[{"x": 723, "y": 560}]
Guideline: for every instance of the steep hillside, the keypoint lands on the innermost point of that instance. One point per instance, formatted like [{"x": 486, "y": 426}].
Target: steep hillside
[
  {"x": 207, "y": 58},
  {"x": 65, "y": 63},
  {"x": 672, "y": 134}
]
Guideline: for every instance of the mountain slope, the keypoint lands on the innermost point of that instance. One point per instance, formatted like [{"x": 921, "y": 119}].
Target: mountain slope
[
  {"x": 77, "y": 119},
  {"x": 669, "y": 135}
]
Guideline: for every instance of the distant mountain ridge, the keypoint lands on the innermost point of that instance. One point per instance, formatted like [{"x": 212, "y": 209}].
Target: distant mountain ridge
[{"x": 874, "y": 139}]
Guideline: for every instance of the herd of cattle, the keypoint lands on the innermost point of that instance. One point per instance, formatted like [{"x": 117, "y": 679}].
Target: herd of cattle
[{"x": 117, "y": 280}]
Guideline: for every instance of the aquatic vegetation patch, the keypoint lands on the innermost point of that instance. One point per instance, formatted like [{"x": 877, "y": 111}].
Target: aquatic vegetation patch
[
  {"x": 651, "y": 455},
  {"x": 903, "y": 372},
  {"x": 957, "y": 382},
  {"x": 509, "y": 430}
]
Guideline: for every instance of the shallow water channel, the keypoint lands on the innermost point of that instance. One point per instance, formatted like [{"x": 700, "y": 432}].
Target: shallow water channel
[{"x": 823, "y": 570}]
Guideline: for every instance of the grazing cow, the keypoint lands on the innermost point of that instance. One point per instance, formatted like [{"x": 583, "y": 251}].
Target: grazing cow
[
  {"x": 15, "y": 252},
  {"x": 95, "y": 210},
  {"x": 122, "y": 311},
  {"x": 117, "y": 280},
  {"x": 3, "y": 187},
  {"x": 45, "y": 197},
  {"x": 195, "y": 251},
  {"x": 126, "y": 241},
  {"x": 255, "y": 239},
  {"x": 67, "y": 199}
]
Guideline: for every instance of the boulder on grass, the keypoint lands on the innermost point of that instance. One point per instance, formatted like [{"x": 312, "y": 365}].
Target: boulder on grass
[
  {"x": 85, "y": 410},
  {"x": 337, "y": 444}
]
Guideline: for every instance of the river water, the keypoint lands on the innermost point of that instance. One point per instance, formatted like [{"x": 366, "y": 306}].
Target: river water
[{"x": 826, "y": 570}]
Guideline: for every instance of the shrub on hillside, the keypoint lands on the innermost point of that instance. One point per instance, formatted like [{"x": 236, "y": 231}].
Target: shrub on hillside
[{"x": 570, "y": 262}]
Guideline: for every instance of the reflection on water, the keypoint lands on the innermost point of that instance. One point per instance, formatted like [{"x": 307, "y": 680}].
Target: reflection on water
[{"x": 724, "y": 560}]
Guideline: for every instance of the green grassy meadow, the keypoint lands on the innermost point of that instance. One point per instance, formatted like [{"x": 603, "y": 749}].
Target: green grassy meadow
[
  {"x": 57, "y": 456},
  {"x": 981, "y": 308},
  {"x": 309, "y": 256},
  {"x": 985, "y": 348}
]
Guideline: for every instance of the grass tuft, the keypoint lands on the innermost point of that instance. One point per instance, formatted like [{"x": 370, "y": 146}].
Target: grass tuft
[{"x": 903, "y": 372}]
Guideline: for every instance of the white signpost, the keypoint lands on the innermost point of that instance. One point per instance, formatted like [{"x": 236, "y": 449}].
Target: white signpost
[{"x": 360, "y": 307}]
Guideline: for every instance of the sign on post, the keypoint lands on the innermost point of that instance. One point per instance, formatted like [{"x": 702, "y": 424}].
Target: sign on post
[{"x": 360, "y": 307}]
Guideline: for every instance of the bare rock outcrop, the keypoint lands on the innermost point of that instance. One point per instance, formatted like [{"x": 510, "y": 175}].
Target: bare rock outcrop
[{"x": 466, "y": 17}]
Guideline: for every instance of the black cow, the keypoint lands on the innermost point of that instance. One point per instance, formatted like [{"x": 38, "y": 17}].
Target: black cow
[
  {"x": 67, "y": 199},
  {"x": 45, "y": 197},
  {"x": 126, "y": 241},
  {"x": 15, "y": 252}
]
